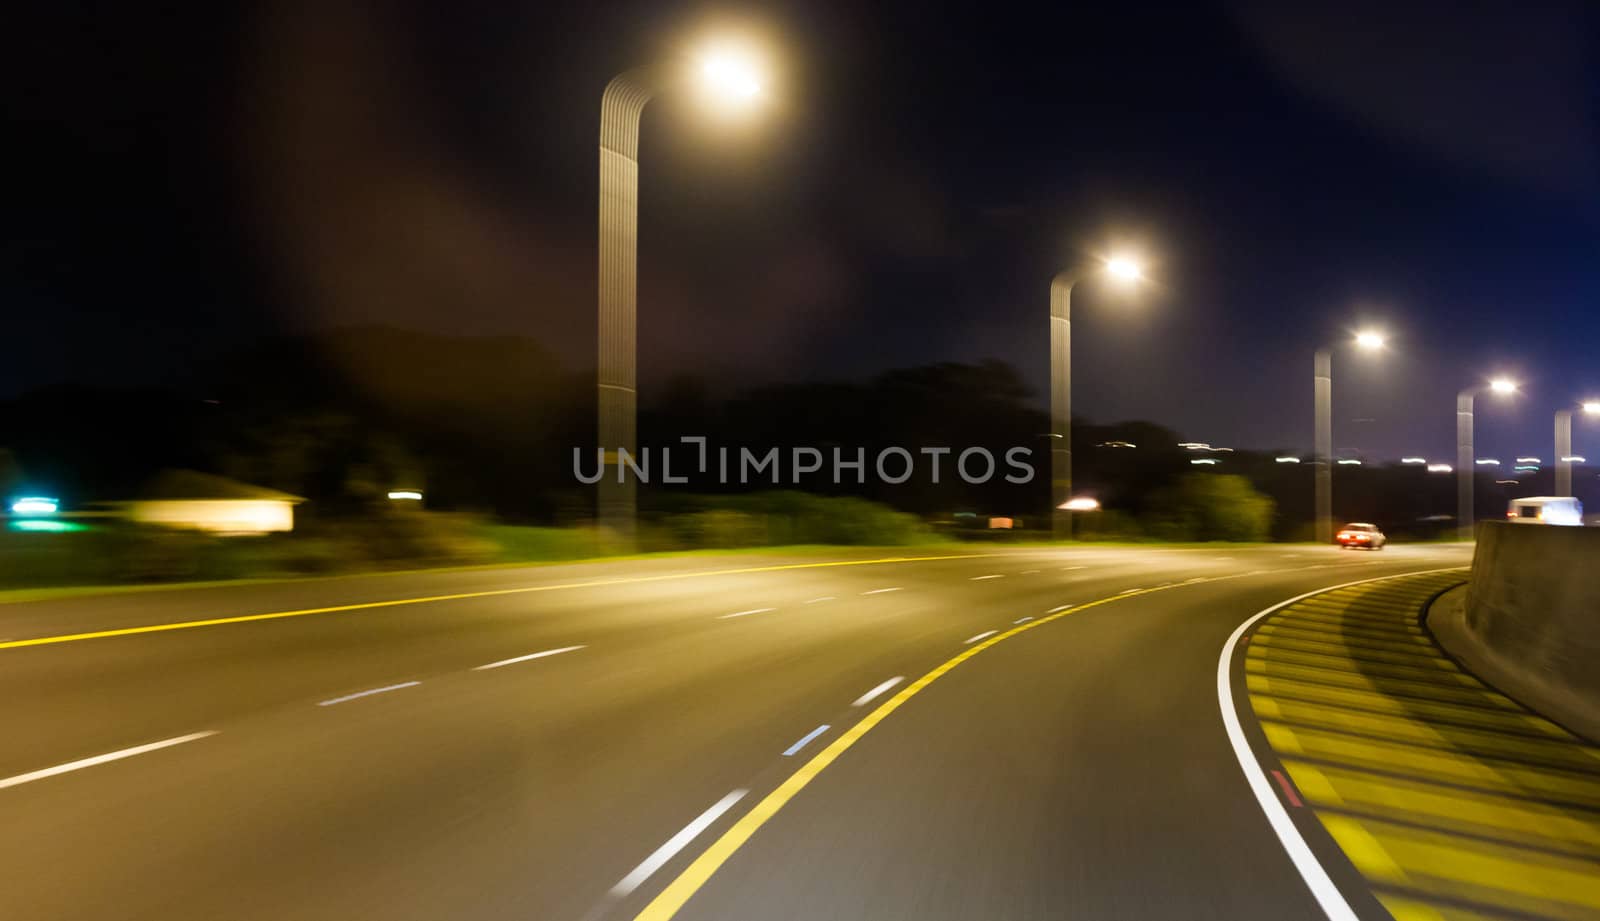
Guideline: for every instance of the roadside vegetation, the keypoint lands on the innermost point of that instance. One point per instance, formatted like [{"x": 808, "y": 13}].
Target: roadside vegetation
[{"x": 120, "y": 553}]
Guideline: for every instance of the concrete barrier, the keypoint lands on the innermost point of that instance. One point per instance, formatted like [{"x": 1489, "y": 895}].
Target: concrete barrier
[{"x": 1529, "y": 621}]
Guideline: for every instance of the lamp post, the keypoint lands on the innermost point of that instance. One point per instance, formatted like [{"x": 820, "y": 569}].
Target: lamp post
[
  {"x": 1564, "y": 444},
  {"x": 1465, "y": 466},
  {"x": 731, "y": 77},
  {"x": 1322, "y": 458},
  {"x": 1061, "y": 286}
]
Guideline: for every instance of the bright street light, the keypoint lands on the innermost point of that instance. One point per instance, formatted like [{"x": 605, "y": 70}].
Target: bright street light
[
  {"x": 730, "y": 75},
  {"x": 1439, "y": 468},
  {"x": 727, "y": 74},
  {"x": 1081, "y": 504},
  {"x": 1413, "y": 460},
  {"x": 1287, "y": 460},
  {"x": 1367, "y": 340},
  {"x": 1487, "y": 462},
  {"x": 1126, "y": 270},
  {"x": 1564, "y": 452},
  {"x": 1466, "y": 518}
]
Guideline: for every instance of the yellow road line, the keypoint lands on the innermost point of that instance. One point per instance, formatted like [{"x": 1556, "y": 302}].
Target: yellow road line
[
  {"x": 672, "y": 898},
  {"x": 1454, "y": 801},
  {"x": 461, "y": 596}
]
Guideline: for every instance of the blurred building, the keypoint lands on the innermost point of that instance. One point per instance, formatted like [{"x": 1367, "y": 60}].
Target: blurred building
[{"x": 204, "y": 502}]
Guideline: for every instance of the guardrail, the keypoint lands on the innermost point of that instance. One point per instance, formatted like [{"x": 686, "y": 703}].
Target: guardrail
[{"x": 1530, "y": 619}]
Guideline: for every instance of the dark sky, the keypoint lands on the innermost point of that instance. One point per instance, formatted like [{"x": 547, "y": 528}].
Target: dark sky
[{"x": 194, "y": 175}]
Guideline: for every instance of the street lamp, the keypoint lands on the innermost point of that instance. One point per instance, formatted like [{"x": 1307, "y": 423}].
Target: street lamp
[
  {"x": 1465, "y": 517},
  {"x": 1322, "y": 457},
  {"x": 1564, "y": 444},
  {"x": 728, "y": 75},
  {"x": 1124, "y": 269}
]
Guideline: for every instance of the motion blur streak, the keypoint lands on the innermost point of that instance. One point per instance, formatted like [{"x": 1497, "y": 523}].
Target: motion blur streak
[{"x": 630, "y": 580}]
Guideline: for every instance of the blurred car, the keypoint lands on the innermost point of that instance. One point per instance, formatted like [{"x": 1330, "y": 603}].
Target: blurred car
[
  {"x": 1361, "y": 534},
  {"x": 1546, "y": 510}
]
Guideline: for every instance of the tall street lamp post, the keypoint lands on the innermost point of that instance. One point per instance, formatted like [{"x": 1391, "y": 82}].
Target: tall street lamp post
[
  {"x": 730, "y": 77},
  {"x": 1061, "y": 287},
  {"x": 1564, "y": 444},
  {"x": 1466, "y": 465},
  {"x": 1322, "y": 394}
]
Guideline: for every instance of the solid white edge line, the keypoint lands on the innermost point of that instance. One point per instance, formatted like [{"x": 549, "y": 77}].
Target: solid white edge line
[
  {"x": 805, "y": 740},
  {"x": 675, "y": 844},
  {"x": 1316, "y": 877},
  {"x": 973, "y": 639},
  {"x": 873, "y": 694},
  {"x": 81, "y": 763},
  {"x": 745, "y": 613},
  {"x": 1058, "y": 609},
  {"x": 368, "y": 693},
  {"x": 528, "y": 657}
]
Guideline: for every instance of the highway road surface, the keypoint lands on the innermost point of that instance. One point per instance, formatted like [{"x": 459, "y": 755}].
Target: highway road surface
[{"x": 988, "y": 734}]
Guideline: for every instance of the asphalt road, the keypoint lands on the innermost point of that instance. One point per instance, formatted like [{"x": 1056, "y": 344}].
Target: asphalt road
[{"x": 399, "y": 758}]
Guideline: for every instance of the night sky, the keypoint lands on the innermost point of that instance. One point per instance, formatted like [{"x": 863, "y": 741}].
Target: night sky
[{"x": 196, "y": 175}]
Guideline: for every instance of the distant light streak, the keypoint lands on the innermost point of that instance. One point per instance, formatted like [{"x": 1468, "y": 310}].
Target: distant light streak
[
  {"x": 1413, "y": 460},
  {"x": 411, "y": 494},
  {"x": 1205, "y": 460},
  {"x": 1287, "y": 460},
  {"x": 1487, "y": 462},
  {"x": 1526, "y": 468},
  {"x": 1529, "y": 460},
  {"x": 1349, "y": 462},
  {"x": 1081, "y": 504},
  {"x": 51, "y": 526},
  {"x": 1440, "y": 468},
  {"x": 35, "y": 505},
  {"x": 1574, "y": 459}
]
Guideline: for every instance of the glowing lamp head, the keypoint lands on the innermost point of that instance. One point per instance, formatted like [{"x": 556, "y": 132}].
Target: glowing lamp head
[
  {"x": 1124, "y": 269},
  {"x": 1081, "y": 504},
  {"x": 1503, "y": 385},
  {"x": 1370, "y": 340},
  {"x": 730, "y": 77},
  {"x": 1592, "y": 407}
]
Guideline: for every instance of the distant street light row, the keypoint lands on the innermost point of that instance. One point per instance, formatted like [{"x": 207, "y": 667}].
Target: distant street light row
[
  {"x": 729, "y": 76},
  {"x": 1466, "y": 461}
]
